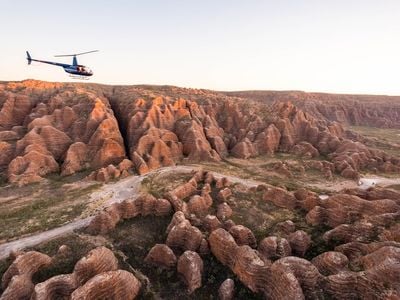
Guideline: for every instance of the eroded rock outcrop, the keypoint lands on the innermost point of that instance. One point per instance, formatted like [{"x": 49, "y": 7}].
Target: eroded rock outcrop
[
  {"x": 95, "y": 276},
  {"x": 17, "y": 280},
  {"x": 343, "y": 208},
  {"x": 273, "y": 248},
  {"x": 57, "y": 128},
  {"x": 95, "y": 262},
  {"x": 184, "y": 236},
  {"x": 280, "y": 197},
  {"x": 299, "y": 241},
  {"x": 118, "y": 284},
  {"x": 243, "y": 236},
  {"x": 57, "y": 287},
  {"x": 331, "y": 262},
  {"x": 143, "y": 205},
  {"x": 162, "y": 256},
  {"x": 224, "y": 211},
  {"x": 190, "y": 266},
  {"x": 288, "y": 277},
  {"x": 226, "y": 290}
]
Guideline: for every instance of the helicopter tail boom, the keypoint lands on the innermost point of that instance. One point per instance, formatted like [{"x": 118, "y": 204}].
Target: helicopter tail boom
[{"x": 28, "y": 57}]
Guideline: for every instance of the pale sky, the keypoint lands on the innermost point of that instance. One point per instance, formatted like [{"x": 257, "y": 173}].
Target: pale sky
[{"x": 338, "y": 46}]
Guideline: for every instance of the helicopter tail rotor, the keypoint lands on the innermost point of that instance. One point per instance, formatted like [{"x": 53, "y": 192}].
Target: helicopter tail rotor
[{"x": 28, "y": 57}]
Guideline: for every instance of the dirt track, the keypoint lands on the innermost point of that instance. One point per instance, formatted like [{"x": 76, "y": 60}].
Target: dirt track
[
  {"x": 114, "y": 192},
  {"x": 117, "y": 192},
  {"x": 110, "y": 193}
]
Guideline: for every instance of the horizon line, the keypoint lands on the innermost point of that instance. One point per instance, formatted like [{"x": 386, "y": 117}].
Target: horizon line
[{"x": 208, "y": 89}]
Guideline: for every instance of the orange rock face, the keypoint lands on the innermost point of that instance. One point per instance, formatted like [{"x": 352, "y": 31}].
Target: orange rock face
[
  {"x": 17, "y": 280},
  {"x": 226, "y": 290},
  {"x": 361, "y": 110},
  {"x": 118, "y": 284},
  {"x": 280, "y": 198},
  {"x": 184, "y": 236},
  {"x": 164, "y": 126},
  {"x": 299, "y": 241},
  {"x": 95, "y": 262},
  {"x": 273, "y": 247},
  {"x": 342, "y": 208},
  {"x": 161, "y": 255},
  {"x": 243, "y": 236},
  {"x": 48, "y": 128},
  {"x": 143, "y": 205},
  {"x": 330, "y": 263},
  {"x": 190, "y": 266},
  {"x": 56, "y": 287},
  {"x": 57, "y": 128},
  {"x": 95, "y": 276}
]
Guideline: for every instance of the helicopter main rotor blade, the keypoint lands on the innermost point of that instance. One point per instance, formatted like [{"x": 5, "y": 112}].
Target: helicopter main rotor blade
[{"x": 76, "y": 53}]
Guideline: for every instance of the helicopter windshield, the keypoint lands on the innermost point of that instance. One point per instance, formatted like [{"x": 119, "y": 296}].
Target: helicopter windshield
[{"x": 87, "y": 69}]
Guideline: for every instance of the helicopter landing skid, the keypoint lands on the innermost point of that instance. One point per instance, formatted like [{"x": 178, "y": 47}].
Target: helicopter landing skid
[{"x": 79, "y": 77}]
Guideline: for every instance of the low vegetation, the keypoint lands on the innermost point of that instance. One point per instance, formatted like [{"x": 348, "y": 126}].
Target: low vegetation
[
  {"x": 41, "y": 206},
  {"x": 260, "y": 169},
  {"x": 386, "y": 139},
  {"x": 158, "y": 184}
]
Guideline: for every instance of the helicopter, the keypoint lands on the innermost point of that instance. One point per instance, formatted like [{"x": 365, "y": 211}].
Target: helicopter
[{"x": 77, "y": 71}]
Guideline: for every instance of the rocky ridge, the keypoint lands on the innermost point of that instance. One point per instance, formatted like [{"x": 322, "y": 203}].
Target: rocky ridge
[
  {"x": 350, "y": 237},
  {"x": 47, "y": 128},
  {"x": 94, "y": 276},
  {"x": 358, "y": 110},
  {"x": 274, "y": 266},
  {"x": 343, "y": 247},
  {"x": 66, "y": 128}
]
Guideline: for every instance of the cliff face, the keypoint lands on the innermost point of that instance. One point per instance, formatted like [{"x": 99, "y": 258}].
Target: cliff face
[
  {"x": 46, "y": 128},
  {"x": 358, "y": 110},
  {"x": 66, "y": 128}
]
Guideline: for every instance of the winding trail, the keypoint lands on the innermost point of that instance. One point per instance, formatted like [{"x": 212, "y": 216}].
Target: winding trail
[
  {"x": 130, "y": 188},
  {"x": 113, "y": 192},
  {"x": 371, "y": 181}
]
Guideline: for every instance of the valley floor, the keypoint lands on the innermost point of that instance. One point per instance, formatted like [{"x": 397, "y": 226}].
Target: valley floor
[{"x": 29, "y": 218}]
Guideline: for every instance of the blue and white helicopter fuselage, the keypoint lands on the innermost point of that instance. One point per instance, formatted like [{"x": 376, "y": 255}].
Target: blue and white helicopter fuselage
[{"x": 74, "y": 69}]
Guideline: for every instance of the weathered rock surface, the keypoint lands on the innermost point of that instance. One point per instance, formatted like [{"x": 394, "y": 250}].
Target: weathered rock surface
[
  {"x": 307, "y": 275},
  {"x": 57, "y": 128},
  {"x": 143, "y": 205},
  {"x": 95, "y": 276},
  {"x": 211, "y": 223},
  {"x": 280, "y": 198},
  {"x": 226, "y": 290},
  {"x": 199, "y": 205},
  {"x": 299, "y": 241},
  {"x": 288, "y": 277},
  {"x": 17, "y": 280},
  {"x": 118, "y": 284},
  {"x": 343, "y": 208},
  {"x": 274, "y": 248},
  {"x": 224, "y": 211},
  {"x": 184, "y": 236},
  {"x": 67, "y": 128},
  {"x": 97, "y": 261},
  {"x": 190, "y": 266},
  {"x": 331, "y": 262},
  {"x": 57, "y": 287},
  {"x": 358, "y": 110},
  {"x": 243, "y": 236},
  {"x": 224, "y": 194},
  {"x": 162, "y": 256}
]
